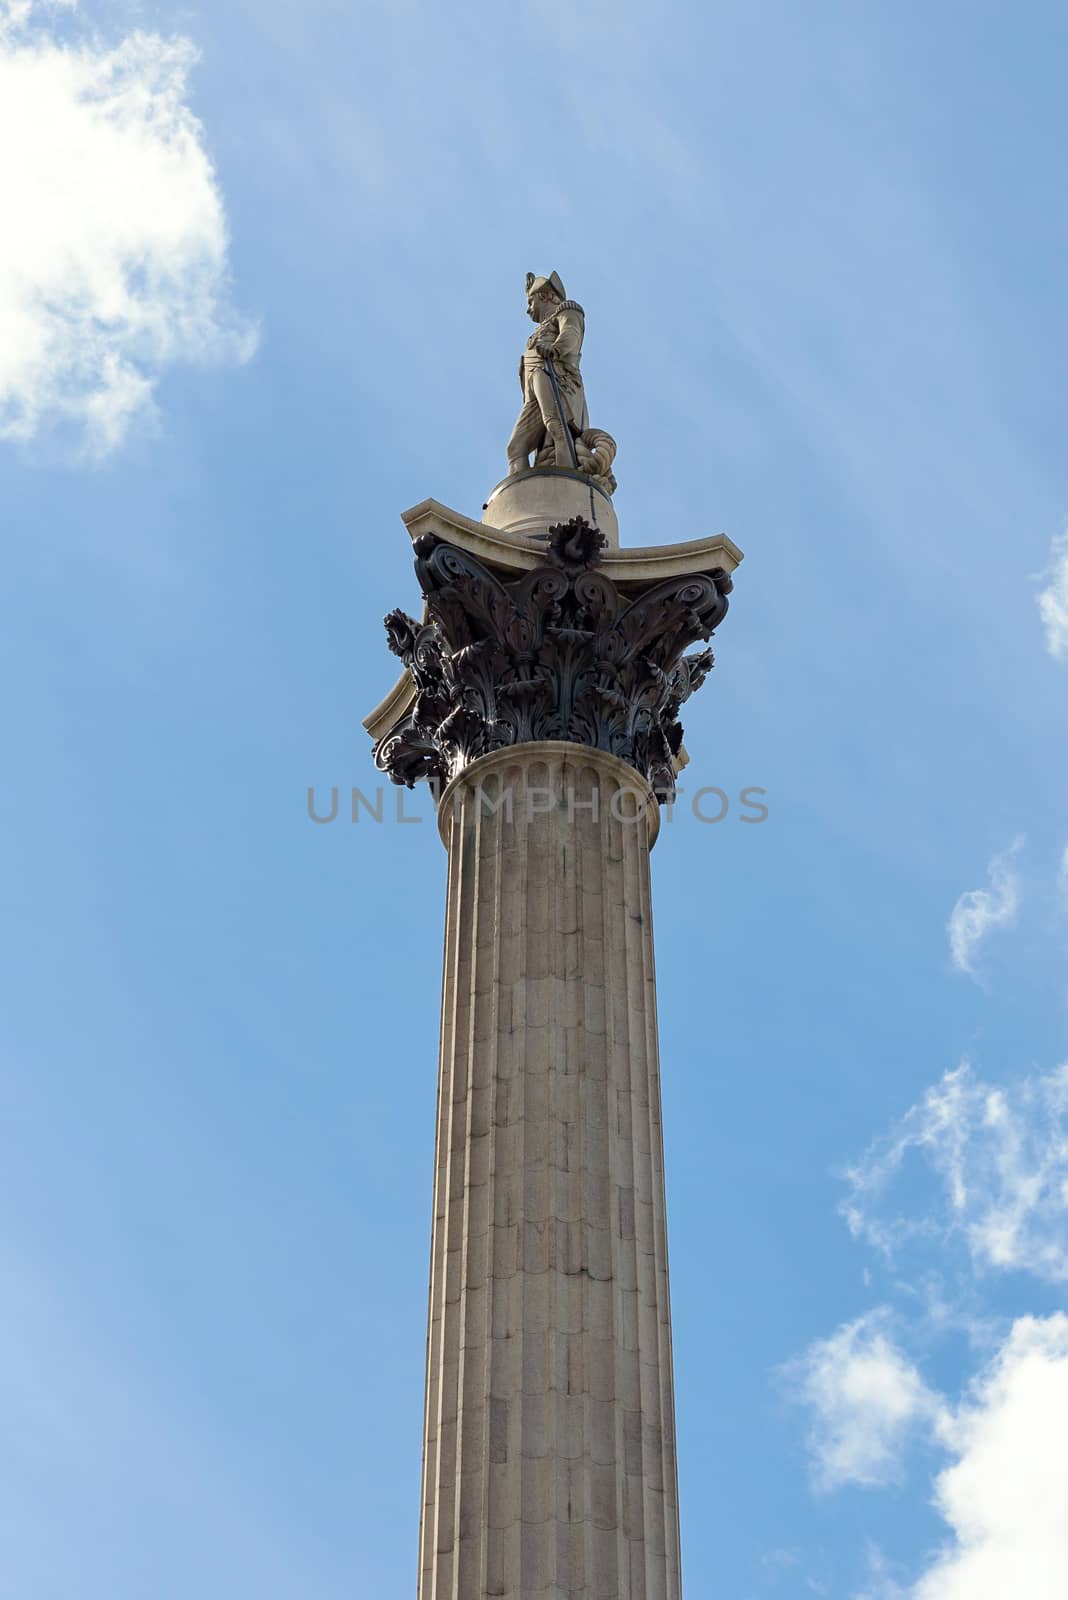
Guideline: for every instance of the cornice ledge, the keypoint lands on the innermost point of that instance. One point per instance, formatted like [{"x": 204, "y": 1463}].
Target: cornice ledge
[{"x": 636, "y": 564}]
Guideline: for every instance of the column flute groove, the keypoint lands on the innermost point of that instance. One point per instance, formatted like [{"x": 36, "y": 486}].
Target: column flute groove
[{"x": 546, "y": 1380}]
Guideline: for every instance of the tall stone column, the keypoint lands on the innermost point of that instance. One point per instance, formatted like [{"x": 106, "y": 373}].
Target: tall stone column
[
  {"x": 549, "y": 1460},
  {"x": 542, "y": 692}
]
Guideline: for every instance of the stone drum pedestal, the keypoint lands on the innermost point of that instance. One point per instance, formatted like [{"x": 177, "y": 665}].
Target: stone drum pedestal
[{"x": 530, "y": 503}]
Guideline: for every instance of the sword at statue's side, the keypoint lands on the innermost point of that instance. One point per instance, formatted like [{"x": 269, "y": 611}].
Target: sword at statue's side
[{"x": 560, "y": 410}]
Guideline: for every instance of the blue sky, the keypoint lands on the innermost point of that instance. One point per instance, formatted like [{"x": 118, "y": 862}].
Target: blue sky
[{"x": 261, "y": 290}]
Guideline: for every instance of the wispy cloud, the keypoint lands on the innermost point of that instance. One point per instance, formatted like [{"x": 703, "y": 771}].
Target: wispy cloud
[
  {"x": 122, "y": 1459},
  {"x": 1062, "y": 878},
  {"x": 979, "y": 910},
  {"x": 1053, "y": 599},
  {"x": 865, "y": 1399},
  {"x": 881, "y": 1583},
  {"x": 1000, "y": 1155},
  {"x": 15, "y": 14},
  {"x": 117, "y": 268}
]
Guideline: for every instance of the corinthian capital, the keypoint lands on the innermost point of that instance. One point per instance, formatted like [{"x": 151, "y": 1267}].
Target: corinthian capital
[{"x": 559, "y": 652}]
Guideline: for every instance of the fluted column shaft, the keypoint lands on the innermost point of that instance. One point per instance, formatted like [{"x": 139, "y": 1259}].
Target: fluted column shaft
[{"x": 549, "y": 1445}]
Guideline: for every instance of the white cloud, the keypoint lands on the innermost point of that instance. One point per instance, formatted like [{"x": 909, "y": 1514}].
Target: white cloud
[
  {"x": 1001, "y": 1158},
  {"x": 979, "y": 910},
  {"x": 1005, "y": 1497},
  {"x": 865, "y": 1399},
  {"x": 116, "y": 266},
  {"x": 1053, "y": 599}
]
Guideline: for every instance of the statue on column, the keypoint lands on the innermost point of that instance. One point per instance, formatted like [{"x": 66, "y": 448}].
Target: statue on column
[{"x": 554, "y": 423}]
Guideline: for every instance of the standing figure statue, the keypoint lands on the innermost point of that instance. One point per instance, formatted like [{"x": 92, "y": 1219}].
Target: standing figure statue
[{"x": 554, "y": 422}]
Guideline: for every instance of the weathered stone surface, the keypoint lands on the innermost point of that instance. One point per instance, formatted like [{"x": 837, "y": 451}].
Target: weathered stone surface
[
  {"x": 549, "y": 1447},
  {"x": 557, "y": 653}
]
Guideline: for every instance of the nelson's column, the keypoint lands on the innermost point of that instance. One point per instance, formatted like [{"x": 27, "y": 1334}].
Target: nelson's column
[{"x": 540, "y": 695}]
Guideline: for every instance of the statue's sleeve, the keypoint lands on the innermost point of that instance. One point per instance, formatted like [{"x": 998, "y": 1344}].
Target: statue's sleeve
[{"x": 568, "y": 341}]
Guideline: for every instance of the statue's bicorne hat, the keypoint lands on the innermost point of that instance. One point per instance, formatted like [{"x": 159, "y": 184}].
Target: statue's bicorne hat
[{"x": 535, "y": 284}]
